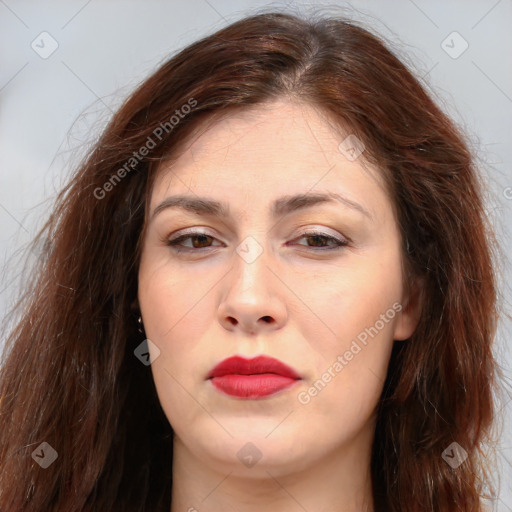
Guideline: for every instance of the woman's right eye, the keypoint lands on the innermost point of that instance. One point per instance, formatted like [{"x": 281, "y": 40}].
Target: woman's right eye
[{"x": 198, "y": 240}]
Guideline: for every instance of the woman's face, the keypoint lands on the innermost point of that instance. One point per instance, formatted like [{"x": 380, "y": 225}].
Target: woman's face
[{"x": 314, "y": 281}]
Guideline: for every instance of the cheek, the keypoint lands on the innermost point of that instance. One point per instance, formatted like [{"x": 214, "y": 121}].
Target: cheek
[
  {"x": 177, "y": 307},
  {"x": 358, "y": 308},
  {"x": 345, "y": 304},
  {"x": 174, "y": 301},
  {"x": 177, "y": 310},
  {"x": 345, "y": 388}
]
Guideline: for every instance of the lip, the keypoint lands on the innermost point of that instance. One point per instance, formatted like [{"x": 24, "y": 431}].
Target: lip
[{"x": 252, "y": 378}]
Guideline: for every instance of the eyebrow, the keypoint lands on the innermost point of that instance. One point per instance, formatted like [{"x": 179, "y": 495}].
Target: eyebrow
[{"x": 280, "y": 207}]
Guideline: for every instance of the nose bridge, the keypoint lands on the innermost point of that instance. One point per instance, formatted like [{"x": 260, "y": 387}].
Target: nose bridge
[{"x": 251, "y": 276}]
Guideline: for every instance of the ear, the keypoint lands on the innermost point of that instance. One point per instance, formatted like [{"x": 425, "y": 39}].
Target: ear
[{"x": 409, "y": 316}]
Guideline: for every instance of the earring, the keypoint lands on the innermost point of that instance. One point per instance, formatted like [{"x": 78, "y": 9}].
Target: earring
[{"x": 141, "y": 327}]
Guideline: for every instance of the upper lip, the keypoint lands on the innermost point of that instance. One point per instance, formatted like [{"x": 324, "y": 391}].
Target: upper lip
[{"x": 257, "y": 365}]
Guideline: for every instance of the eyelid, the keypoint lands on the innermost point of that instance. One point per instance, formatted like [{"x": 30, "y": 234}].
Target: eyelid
[{"x": 190, "y": 231}]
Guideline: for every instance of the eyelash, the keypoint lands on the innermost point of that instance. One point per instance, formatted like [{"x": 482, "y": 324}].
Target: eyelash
[{"x": 174, "y": 243}]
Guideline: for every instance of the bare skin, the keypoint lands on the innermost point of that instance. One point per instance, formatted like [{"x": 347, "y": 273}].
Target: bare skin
[{"x": 305, "y": 299}]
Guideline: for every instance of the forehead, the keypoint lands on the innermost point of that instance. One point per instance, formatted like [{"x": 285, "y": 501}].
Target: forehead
[{"x": 271, "y": 149}]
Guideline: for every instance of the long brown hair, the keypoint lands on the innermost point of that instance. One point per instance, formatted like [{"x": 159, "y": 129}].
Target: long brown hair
[{"x": 70, "y": 376}]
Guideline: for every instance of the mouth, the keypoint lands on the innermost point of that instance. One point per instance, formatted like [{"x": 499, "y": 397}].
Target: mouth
[{"x": 254, "y": 378}]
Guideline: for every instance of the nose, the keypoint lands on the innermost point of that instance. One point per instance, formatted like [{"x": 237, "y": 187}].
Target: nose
[{"x": 252, "y": 301}]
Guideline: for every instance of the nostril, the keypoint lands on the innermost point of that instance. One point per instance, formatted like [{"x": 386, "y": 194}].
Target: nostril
[{"x": 267, "y": 319}]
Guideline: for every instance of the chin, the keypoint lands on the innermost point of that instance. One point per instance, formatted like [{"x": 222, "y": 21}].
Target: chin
[{"x": 256, "y": 454}]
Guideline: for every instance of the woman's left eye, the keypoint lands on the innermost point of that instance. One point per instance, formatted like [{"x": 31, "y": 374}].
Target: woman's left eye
[
  {"x": 199, "y": 240},
  {"x": 320, "y": 239}
]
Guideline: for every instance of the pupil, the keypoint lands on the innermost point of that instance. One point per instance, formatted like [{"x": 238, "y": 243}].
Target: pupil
[
  {"x": 202, "y": 239},
  {"x": 318, "y": 238}
]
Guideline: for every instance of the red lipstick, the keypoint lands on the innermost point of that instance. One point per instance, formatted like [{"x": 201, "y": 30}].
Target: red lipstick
[{"x": 252, "y": 378}]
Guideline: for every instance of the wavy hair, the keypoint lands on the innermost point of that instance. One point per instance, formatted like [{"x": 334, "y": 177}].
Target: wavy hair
[{"x": 70, "y": 377}]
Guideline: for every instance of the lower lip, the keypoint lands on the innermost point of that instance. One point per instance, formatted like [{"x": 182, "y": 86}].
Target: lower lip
[{"x": 252, "y": 386}]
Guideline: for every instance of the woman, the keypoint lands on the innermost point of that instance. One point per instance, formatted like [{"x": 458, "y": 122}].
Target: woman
[{"x": 268, "y": 287}]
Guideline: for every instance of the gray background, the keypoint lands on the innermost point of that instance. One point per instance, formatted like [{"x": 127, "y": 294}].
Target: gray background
[{"x": 52, "y": 108}]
